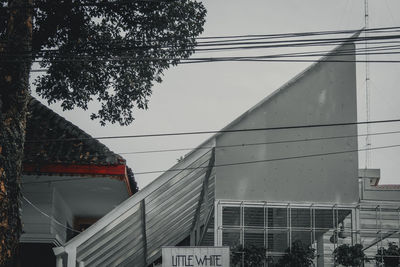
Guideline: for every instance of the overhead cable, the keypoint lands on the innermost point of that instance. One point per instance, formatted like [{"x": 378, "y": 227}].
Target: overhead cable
[
  {"x": 232, "y": 163},
  {"x": 217, "y": 131}
]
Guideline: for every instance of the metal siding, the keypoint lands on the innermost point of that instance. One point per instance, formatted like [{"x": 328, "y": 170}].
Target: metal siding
[
  {"x": 170, "y": 210},
  {"x": 324, "y": 94}
]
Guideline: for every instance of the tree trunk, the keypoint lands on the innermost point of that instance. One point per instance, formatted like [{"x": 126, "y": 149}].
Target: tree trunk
[{"x": 15, "y": 64}]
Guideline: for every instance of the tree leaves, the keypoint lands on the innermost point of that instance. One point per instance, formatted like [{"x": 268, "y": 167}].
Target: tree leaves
[
  {"x": 389, "y": 257},
  {"x": 349, "y": 255},
  {"x": 111, "y": 52},
  {"x": 299, "y": 255}
]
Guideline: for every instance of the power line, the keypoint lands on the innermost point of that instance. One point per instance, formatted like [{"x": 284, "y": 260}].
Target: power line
[
  {"x": 218, "y": 46},
  {"x": 132, "y": 57},
  {"x": 267, "y": 60},
  {"x": 301, "y": 34},
  {"x": 125, "y": 47},
  {"x": 215, "y": 131},
  {"x": 255, "y": 144},
  {"x": 263, "y": 36},
  {"x": 379, "y": 51},
  {"x": 48, "y": 216},
  {"x": 275, "y": 159},
  {"x": 248, "y": 144},
  {"x": 234, "y": 163}
]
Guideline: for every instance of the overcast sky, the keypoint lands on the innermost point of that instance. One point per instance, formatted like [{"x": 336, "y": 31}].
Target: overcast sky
[{"x": 208, "y": 96}]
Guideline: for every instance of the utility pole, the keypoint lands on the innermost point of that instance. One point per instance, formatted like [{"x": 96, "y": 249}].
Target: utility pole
[
  {"x": 367, "y": 91},
  {"x": 15, "y": 64}
]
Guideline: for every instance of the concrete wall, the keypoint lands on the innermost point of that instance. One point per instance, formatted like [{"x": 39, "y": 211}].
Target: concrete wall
[
  {"x": 380, "y": 193},
  {"x": 323, "y": 94},
  {"x": 371, "y": 190}
]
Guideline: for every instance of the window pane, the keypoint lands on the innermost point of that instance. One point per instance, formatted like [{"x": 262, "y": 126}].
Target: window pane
[
  {"x": 303, "y": 236},
  {"x": 254, "y": 217},
  {"x": 277, "y": 217},
  {"x": 301, "y": 218},
  {"x": 230, "y": 237},
  {"x": 277, "y": 241},
  {"x": 344, "y": 218},
  {"x": 324, "y": 219},
  {"x": 231, "y": 216},
  {"x": 255, "y": 238}
]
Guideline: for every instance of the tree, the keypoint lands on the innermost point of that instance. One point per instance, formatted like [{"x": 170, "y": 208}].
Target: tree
[
  {"x": 389, "y": 257},
  {"x": 249, "y": 256},
  {"x": 298, "y": 255},
  {"x": 349, "y": 255},
  {"x": 111, "y": 51}
]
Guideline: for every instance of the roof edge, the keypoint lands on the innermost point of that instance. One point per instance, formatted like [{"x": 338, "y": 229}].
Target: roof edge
[
  {"x": 281, "y": 88},
  {"x": 72, "y": 129}
]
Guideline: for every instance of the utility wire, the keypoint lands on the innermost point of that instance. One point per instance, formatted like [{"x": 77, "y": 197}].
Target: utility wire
[
  {"x": 124, "y": 45},
  {"x": 287, "y": 141},
  {"x": 235, "y": 163},
  {"x": 267, "y": 60},
  {"x": 126, "y": 50},
  {"x": 215, "y": 131},
  {"x": 48, "y": 216},
  {"x": 256, "y": 144},
  {"x": 264, "y": 58},
  {"x": 221, "y": 39},
  {"x": 376, "y": 51},
  {"x": 128, "y": 47},
  {"x": 133, "y": 57},
  {"x": 300, "y": 34}
]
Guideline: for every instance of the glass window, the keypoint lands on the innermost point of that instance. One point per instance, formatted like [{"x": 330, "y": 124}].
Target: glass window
[
  {"x": 301, "y": 218},
  {"x": 344, "y": 218},
  {"x": 254, "y": 217},
  {"x": 231, "y": 216},
  {"x": 324, "y": 219},
  {"x": 277, "y": 241},
  {"x": 304, "y": 236},
  {"x": 277, "y": 217},
  {"x": 230, "y": 237},
  {"x": 254, "y": 237}
]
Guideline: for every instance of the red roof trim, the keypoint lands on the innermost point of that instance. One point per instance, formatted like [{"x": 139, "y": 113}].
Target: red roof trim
[
  {"x": 114, "y": 170},
  {"x": 117, "y": 171}
]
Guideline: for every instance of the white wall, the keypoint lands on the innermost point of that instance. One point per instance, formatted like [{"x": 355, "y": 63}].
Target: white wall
[
  {"x": 324, "y": 94},
  {"x": 35, "y": 225},
  {"x": 62, "y": 213}
]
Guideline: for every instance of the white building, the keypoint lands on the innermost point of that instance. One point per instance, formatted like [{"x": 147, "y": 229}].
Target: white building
[{"x": 285, "y": 170}]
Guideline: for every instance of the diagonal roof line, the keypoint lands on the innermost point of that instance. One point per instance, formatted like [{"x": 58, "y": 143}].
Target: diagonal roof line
[{"x": 271, "y": 96}]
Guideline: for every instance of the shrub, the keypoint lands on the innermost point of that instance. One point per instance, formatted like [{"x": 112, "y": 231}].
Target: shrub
[
  {"x": 389, "y": 257},
  {"x": 299, "y": 255},
  {"x": 349, "y": 255},
  {"x": 250, "y": 255}
]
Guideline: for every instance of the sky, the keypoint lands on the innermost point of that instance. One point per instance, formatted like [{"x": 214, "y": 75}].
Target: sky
[{"x": 200, "y": 97}]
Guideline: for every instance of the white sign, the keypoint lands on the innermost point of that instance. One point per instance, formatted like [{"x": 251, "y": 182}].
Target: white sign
[{"x": 195, "y": 256}]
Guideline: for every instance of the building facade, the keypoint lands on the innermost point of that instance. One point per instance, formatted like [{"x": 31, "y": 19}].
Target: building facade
[
  {"x": 285, "y": 170},
  {"x": 69, "y": 181}
]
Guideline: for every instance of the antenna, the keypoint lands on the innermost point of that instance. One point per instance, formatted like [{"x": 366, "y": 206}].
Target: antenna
[{"x": 367, "y": 92}]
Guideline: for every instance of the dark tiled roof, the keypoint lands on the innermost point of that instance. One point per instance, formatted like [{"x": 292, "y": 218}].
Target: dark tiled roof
[
  {"x": 43, "y": 125},
  {"x": 132, "y": 183}
]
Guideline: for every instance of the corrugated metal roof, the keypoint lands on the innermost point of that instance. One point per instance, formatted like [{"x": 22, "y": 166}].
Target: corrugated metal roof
[{"x": 163, "y": 213}]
